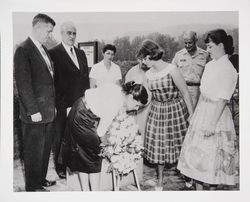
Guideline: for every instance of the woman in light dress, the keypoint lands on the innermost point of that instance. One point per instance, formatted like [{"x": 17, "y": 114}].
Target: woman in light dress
[
  {"x": 105, "y": 72},
  {"x": 208, "y": 151}
]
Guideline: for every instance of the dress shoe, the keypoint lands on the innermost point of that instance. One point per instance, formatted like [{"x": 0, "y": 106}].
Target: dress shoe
[
  {"x": 62, "y": 175},
  {"x": 48, "y": 183},
  {"x": 41, "y": 190}
]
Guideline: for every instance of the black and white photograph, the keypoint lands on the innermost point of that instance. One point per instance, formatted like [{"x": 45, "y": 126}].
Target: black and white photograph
[{"x": 142, "y": 101}]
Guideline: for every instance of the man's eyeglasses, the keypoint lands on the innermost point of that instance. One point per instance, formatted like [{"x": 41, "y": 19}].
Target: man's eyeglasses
[
  {"x": 71, "y": 33},
  {"x": 189, "y": 42}
]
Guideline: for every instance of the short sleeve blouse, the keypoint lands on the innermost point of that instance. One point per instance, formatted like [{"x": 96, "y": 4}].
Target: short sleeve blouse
[
  {"x": 219, "y": 79},
  {"x": 103, "y": 76}
]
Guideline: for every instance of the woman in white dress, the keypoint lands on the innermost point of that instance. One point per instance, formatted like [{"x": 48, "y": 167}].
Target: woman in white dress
[
  {"x": 105, "y": 72},
  {"x": 208, "y": 151}
]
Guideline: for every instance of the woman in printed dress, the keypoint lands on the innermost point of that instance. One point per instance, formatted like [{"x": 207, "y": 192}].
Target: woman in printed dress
[
  {"x": 89, "y": 120},
  {"x": 171, "y": 106},
  {"x": 208, "y": 152}
]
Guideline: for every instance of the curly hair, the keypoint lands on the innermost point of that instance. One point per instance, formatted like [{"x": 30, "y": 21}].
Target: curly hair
[{"x": 138, "y": 91}]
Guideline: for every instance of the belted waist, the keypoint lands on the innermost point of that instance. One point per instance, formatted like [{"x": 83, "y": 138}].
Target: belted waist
[
  {"x": 178, "y": 99},
  {"x": 192, "y": 83}
]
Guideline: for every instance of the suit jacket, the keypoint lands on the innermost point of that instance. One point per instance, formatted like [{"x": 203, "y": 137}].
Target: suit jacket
[
  {"x": 70, "y": 82},
  {"x": 34, "y": 83}
]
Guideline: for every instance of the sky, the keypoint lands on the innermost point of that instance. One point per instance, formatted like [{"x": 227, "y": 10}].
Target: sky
[{"x": 108, "y": 25}]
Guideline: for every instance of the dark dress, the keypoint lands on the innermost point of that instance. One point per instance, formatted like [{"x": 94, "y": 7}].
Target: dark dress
[{"x": 82, "y": 144}]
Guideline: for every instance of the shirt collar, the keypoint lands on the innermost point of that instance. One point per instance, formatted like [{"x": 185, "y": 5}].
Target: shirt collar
[
  {"x": 195, "y": 54},
  {"x": 222, "y": 58},
  {"x": 67, "y": 48}
]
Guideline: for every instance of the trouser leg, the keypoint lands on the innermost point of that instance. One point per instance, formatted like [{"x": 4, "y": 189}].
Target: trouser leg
[
  {"x": 34, "y": 141},
  {"x": 60, "y": 128},
  {"x": 49, "y": 131}
]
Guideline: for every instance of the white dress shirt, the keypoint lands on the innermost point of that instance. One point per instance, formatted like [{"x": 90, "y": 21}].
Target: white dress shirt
[
  {"x": 43, "y": 53},
  {"x": 72, "y": 54}
]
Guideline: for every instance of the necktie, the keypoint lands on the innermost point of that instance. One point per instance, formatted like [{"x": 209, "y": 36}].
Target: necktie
[
  {"x": 74, "y": 57},
  {"x": 72, "y": 52},
  {"x": 45, "y": 56}
]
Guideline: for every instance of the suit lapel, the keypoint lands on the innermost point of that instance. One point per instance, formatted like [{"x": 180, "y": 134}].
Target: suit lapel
[
  {"x": 80, "y": 62},
  {"x": 37, "y": 52},
  {"x": 67, "y": 57},
  {"x": 50, "y": 60}
]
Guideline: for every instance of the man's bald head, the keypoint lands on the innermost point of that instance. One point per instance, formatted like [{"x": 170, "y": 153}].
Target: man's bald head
[
  {"x": 67, "y": 25},
  {"x": 190, "y": 35},
  {"x": 190, "y": 39}
]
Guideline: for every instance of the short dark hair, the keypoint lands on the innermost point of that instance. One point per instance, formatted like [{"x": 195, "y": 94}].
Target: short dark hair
[
  {"x": 109, "y": 47},
  {"x": 40, "y": 17},
  {"x": 220, "y": 36},
  {"x": 138, "y": 91},
  {"x": 151, "y": 48}
]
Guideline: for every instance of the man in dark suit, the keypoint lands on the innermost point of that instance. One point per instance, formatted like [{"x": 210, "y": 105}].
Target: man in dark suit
[
  {"x": 35, "y": 84},
  {"x": 71, "y": 81}
]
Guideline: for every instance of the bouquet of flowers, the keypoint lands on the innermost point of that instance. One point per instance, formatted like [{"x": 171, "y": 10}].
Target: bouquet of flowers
[{"x": 122, "y": 144}]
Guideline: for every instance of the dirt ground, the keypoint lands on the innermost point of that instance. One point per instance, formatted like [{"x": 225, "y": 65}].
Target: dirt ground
[{"x": 173, "y": 181}]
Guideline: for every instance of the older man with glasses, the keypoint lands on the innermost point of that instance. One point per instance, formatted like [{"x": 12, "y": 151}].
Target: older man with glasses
[{"x": 71, "y": 81}]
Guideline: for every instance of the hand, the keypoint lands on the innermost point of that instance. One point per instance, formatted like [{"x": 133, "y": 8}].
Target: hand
[
  {"x": 102, "y": 139},
  {"x": 208, "y": 133},
  {"x": 36, "y": 117},
  {"x": 210, "y": 130},
  {"x": 68, "y": 110}
]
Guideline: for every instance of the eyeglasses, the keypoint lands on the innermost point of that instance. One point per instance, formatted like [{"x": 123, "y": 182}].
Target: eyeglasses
[{"x": 71, "y": 33}]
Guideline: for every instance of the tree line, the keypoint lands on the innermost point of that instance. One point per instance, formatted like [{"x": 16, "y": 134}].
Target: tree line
[{"x": 127, "y": 47}]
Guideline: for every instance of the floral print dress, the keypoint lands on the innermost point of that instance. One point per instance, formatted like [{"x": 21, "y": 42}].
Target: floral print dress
[{"x": 212, "y": 159}]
